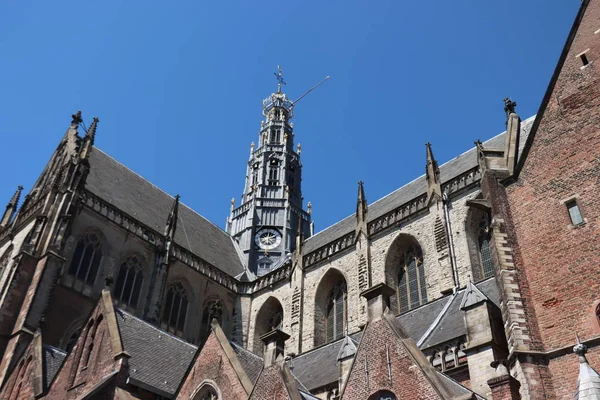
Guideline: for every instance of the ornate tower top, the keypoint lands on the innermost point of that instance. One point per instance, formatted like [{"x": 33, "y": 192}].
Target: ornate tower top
[{"x": 277, "y": 106}]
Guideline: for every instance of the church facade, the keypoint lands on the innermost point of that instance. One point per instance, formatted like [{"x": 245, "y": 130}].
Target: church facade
[{"x": 476, "y": 280}]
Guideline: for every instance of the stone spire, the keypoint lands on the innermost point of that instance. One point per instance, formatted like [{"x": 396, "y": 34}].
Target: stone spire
[
  {"x": 11, "y": 208},
  {"x": 588, "y": 384},
  {"x": 432, "y": 172},
  {"x": 171, "y": 224},
  {"x": 361, "y": 203},
  {"x": 88, "y": 139}
]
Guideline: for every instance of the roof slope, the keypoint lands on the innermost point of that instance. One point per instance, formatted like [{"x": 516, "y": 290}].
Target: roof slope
[
  {"x": 158, "y": 359},
  {"x": 52, "y": 359},
  {"x": 124, "y": 189},
  {"x": 411, "y": 190},
  {"x": 251, "y": 363}
]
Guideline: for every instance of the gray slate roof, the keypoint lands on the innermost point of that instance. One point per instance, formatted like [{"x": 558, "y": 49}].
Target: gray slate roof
[
  {"x": 455, "y": 388},
  {"x": 158, "y": 359},
  {"x": 251, "y": 363},
  {"x": 412, "y": 190},
  {"x": 52, "y": 359},
  {"x": 124, "y": 189}
]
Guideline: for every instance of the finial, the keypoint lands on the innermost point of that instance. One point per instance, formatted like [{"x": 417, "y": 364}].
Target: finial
[
  {"x": 292, "y": 125},
  {"x": 509, "y": 106},
  {"x": 361, "y": 202},
  {"x": 15, "y": 199},
  {"x": 285, "y": 136},
  {"x": 252, "y": 147},
  {"x": 309, "y": 207},
  {"x": 580, "y": 349},
  {"x": 76, "y": 119},
  {"x": 280, "y": 81},
  {"x": 299, "y": 149},
  {"x": 108, "y": 281}
]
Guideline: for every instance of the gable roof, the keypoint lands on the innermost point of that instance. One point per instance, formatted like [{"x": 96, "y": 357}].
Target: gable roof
[
  {"x": 158, "y": 361},
  {"x": 124, "y": 189},
  {"x": 251, "y": 363},
  {"x": 52, "y": 359},
  {"x": 412, "y": 190}
]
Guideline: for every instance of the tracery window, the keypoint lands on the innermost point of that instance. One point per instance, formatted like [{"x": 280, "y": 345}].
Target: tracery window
[
  {"x": 411, "y": 290},
  {"x": 86, "y": 258},
  {"x": 485, "y": 255},
  {"x": 336, "y": 312},
  {"x": 129, "y": 281},
  {"x": 213, "y": 309},
  {"x": 175, "y": 309}
]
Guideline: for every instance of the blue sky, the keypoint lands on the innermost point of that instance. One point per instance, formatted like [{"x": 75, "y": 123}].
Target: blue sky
[{"x": 178, "y": 86}]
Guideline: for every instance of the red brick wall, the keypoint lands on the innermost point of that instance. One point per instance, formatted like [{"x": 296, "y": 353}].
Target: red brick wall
[
  {"x": 408, "y": 381},
  {"x": 212, "y": 364},
  {"x": 558, "y": 263},
  {"x": 19, "y": 384},
  {"x": 269, "y": 385},
  {"x": 75, "y": 377}
]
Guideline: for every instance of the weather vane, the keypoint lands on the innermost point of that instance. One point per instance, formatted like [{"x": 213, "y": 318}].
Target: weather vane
[{"x": 279, "y": 75}]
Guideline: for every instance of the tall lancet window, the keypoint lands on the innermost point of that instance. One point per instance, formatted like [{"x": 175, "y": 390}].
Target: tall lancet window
[
  {"x": 175, "y": 309},
  {"x": 129, "y": 281},
  {"x": 485, "y": 254},
  {"x": 411, "y": 291},
  {"x": 336, "y": 312},
  {"x": 86, "y": 258},
  {"x": 273, "y": 172}
]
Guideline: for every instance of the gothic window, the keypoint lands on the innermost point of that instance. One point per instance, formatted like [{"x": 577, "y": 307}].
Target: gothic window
[
  {"x": 268, "y": 318},
  {"x": 485, "y": 254},
  {"x": 383, "y": 395},
  {"x": 206, "y": 392},
  {"x": 264, "y": 266},
  {"x": 86, "y": 258},
  {"x": 276, "y": 135},
  {"x": 175, "y": 309},
  {"x": 411, "y": 290},
  {"x": 129, "y": 281},
  {"x": 213, "y": 309},
  {"x": 336, "y": 312}
]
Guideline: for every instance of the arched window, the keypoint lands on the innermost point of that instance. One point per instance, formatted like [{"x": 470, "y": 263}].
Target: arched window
[
  {"x": 485, "y": 255},
  {"x": 86, "y": 258},
  {"x": 336, "y": 312},
  {"x": 175, "y": 309},
  {"x": 383, "y": 395},
  {"x": 206, "y": 392},
  {"x": 268, "y": 318},
  {"x": 331, "y": 308},
  {"x": 213, "y": 309},
  {"x": 89, "y": 345},
  {"x": 411, "y": 290},
  {"x": 129, "y": 281}
]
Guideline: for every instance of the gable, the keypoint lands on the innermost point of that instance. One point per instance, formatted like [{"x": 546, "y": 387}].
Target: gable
[{"x": 216, "y": 365}]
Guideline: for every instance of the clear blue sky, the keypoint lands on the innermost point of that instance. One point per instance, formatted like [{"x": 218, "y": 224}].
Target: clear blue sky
[{"x": 178, "y": 86}]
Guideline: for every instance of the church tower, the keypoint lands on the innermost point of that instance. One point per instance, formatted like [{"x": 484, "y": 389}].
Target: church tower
[{"x": 265, "y": 224}]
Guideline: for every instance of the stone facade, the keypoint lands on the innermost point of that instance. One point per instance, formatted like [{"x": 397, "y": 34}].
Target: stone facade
[{"x": 489, "y": 259}]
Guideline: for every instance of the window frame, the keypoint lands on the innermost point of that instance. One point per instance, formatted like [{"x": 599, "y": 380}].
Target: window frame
[
  {"x": 131, "y": 262},
  {"x": 403, "y": 278}
]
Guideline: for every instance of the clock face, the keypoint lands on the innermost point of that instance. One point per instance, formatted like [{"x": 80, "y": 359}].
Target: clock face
[{"x": 267, "y": 239}]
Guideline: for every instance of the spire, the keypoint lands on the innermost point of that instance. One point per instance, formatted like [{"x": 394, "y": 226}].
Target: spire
[
  {"x": 171, "y": 225},
  {"x": 361, "y": 203},
  {"x": 88, "y": 139},
  {"x": 433, "y": 174},
  {"x": 11, "y": 208},
  {"x": 588, "y": 384}
]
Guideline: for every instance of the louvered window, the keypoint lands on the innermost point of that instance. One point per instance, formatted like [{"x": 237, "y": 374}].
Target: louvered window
[
  {"x": 86, "y": 259},
  {"x": 412, "y": 291},
  {"x": 336, "y": 312}
]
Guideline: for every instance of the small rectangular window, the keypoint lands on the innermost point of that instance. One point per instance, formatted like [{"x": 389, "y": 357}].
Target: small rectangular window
[
  {"x": 574, "y": 213},
  {"x": 584, "y": 60}
]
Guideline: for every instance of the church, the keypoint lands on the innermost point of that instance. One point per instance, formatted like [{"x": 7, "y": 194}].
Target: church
[{"x": 477, "y": 280}]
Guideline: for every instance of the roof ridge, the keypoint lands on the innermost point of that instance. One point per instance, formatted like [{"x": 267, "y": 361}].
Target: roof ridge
[
  {"x": 120, "y": 310},
  {"x": 234, "y": 344},
  {"x": 415, "y": 179},
  {"x": 437, "y": 320},
  {"x": 161, "y": 190},
  {"x": 56, "y": 349}
]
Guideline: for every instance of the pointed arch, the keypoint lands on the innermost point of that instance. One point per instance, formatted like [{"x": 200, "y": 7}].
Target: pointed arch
[
  {"x": 405, "y": 272},
  {"x": 331, "y": 307},
  {"x": 129, "y": 281},
  {"x": 268, "y": 318},
  {"x": 175, "y": 309},
  {"x": 86, "y": 259},
  {"x": 479, "y": 238}
]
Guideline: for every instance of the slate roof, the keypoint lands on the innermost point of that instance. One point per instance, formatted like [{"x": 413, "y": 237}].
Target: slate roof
[
  {"x": 158, "y": 359},
  {"x": 455, "y": 388},
  {"x": 251, "y": 363},
  {"x": 52, "y": 359},
  {"x": 124, "y": 189},
  {"x": 411, "y": 190}
]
